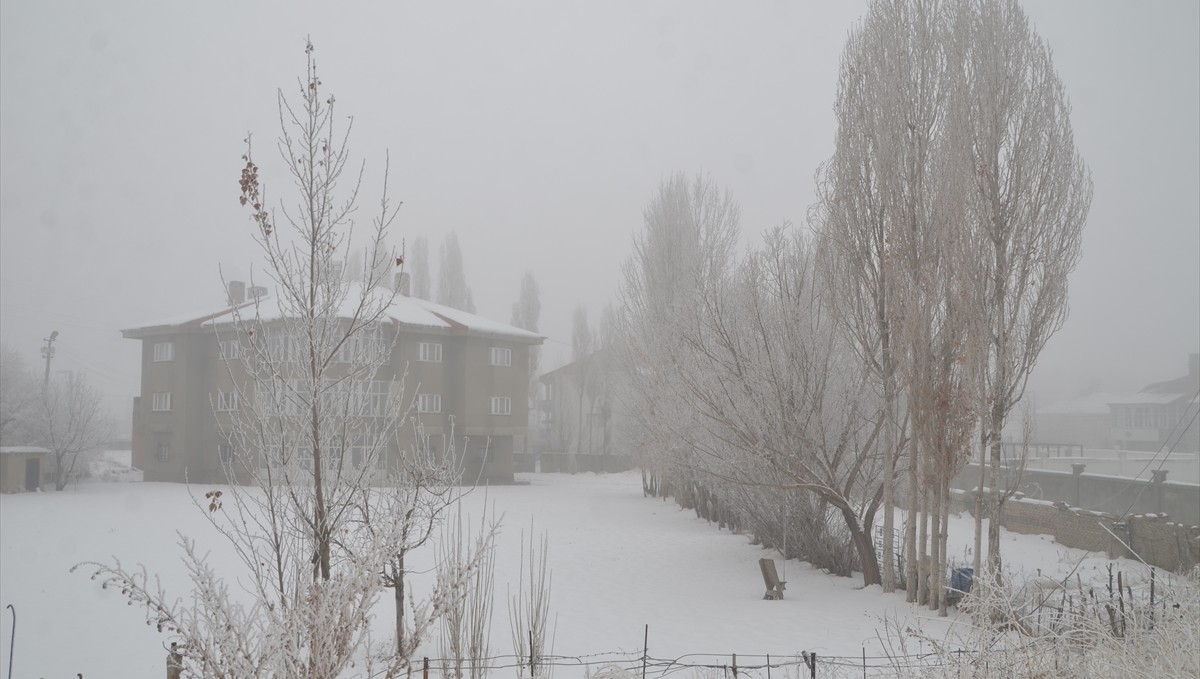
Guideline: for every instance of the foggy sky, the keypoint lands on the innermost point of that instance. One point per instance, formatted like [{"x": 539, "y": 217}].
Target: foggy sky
[{"x": 537, "y": 131}]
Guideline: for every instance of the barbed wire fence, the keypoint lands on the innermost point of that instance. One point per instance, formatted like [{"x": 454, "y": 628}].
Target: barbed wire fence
[{"x": 636, "y": 665}]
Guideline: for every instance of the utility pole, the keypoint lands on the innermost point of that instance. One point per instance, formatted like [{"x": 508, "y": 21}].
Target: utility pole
[{"x": 48, "y": 352}]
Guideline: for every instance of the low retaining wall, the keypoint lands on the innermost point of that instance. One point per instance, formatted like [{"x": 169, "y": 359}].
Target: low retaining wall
[
  {"x": 1111, "y": 494},
  {"x": 1156, "y": 538}
]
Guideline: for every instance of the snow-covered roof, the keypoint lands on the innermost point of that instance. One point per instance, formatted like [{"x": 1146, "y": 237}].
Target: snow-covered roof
[
  {"x": 14, "y": 450},
  {"x": 1154, "y": 398},
  {"x": 407, "y": 311}
]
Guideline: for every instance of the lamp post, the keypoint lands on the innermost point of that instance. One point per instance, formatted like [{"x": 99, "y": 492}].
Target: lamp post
[{"x": 48, "y": 353}]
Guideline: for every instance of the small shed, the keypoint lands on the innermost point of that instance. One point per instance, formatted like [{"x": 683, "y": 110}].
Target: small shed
[{"x": 23, "y": 468}]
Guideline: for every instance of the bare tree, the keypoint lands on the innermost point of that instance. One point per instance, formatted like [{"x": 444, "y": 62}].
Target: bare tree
[
  {"x": 418, "y": 264},
  {"x": 452, "y": 289},
  {"x": 467, "y": 618},
  {"x": 690, "y": 231},
  {"x": 529, "y": 610},
  {"x": 69, "y": 419},
  {"x": 525, "y": 314},
  {"x": 335, "y": 496},
  {"x": 780, "y": 398},
  {"x": 1029, "y": 199},
  {"x": 581, "y": 353}
]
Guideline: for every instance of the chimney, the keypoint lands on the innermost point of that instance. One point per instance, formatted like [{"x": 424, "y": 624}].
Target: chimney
[
  {"x": 1193, "y": 365},
  {"x": 237, "y": 292},
  {"x": 401, "y": 284}
]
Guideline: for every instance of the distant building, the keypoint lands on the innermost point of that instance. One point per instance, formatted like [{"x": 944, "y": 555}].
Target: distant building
[
  {"x": 25, "y": 468},
  {"x": 1085, "y": 421},
  {"x": 574, "y": 410},
  {"x": 1162, "y": 416},
  {"x": 455, "y": 365}
]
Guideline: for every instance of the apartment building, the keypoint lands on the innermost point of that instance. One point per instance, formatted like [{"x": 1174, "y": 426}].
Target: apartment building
[
  {"x": 1162, "y": 416},
  {"x": 451, "y": 367}
]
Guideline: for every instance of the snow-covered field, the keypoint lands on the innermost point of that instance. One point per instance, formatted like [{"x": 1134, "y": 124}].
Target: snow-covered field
[{"x": 619, "y": 562}]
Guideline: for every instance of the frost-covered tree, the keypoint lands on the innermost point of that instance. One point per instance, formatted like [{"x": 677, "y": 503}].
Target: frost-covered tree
[
  {"x": 783, "y": 403},
  {"x": 452, "y": 289},
  {"x": 874, "y": 190},
  {"x": 1030, "y": 193},
  {"x": 68, "y": 419},
  {"x": 18, "y": 392},
  {"x": 418, "y": 264},
  {"x": 332, "y": 499},
  {"x": 950, "y": 212},
  {"x": 690, "y": 230},
  {"x": 526, "y": 312},
  {"x": 581, "y": 354}
]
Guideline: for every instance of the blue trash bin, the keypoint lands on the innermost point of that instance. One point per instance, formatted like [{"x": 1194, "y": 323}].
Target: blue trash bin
[{"x": 960, "y": 579}]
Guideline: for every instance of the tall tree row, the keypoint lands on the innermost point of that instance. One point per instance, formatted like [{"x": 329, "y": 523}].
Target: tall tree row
[
  {"x": 418, "y": 264},
  {"x": 952, "y": 211},
  {"x": 854, "y": 368},
  {"x": 452, "y": 289}
]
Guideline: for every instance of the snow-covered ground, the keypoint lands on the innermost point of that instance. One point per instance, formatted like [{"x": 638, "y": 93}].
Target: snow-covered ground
[{"x": 619, "y": 562}]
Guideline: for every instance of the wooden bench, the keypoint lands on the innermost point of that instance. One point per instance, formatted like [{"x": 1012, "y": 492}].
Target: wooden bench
[{"x": 775, "y": 586}]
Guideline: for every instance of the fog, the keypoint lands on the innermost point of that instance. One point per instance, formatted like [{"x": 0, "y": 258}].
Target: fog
[{"x": 537, "y": 132}]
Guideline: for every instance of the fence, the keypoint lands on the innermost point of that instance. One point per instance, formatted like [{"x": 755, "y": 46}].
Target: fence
[{"x": 691, "y": 666}]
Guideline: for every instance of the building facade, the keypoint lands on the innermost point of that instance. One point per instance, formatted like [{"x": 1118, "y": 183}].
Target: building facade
[
  {"x": 456, "y": 373},
  {"x": 25, "y": 468},
  {"x": 1162, "y": 416}
]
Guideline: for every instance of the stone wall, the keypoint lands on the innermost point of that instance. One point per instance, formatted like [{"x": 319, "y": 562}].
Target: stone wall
[{"x": 1156, "y": 538}]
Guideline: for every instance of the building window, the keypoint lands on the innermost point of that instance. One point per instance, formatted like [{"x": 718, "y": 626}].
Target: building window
[
  {"x": 369, "y": 398},
  {"x": 429, "y": 403},
  {"x": 226, "y": 452},
  {"x": 282, "y": 347},
  {"x": 163, "y": 452},
  {"x": 429, "y": 351},
  {"x": 164, "y": 351},
  {"x": 230, "y": 350},
  {"x": 227, "y": 401},
  {"x": 365, "y": 346},
  {"x": 162, "y": 402},
  {"x": 501, "y": 405},
  {"x": 501, "y": 356}
]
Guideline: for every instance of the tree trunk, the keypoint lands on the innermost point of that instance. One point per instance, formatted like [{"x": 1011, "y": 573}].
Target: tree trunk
[
  {"x": 398, "y": 591},
  {"x": 862, "y": 544},
  {"x": 920, "y": 581},
  {"x": 994, "y": 516},
  {"x": 910, "y": 527},
  {"x": 944, "y": 490},
  {"x": 978, "y": 561},
  {"x": 937, "y": 560},
  {"x": 889, "y": 494}
]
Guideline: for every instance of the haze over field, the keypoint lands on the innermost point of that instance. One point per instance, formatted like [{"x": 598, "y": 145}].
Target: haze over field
[{"x": 537, "y": 132}]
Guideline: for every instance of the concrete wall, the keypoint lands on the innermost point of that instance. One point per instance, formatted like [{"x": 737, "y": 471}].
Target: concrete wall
[
  {"x": 12, "y": 471},
  {"x": 1110, "y": 494},
  {"x": 1157, "y": 540}
]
